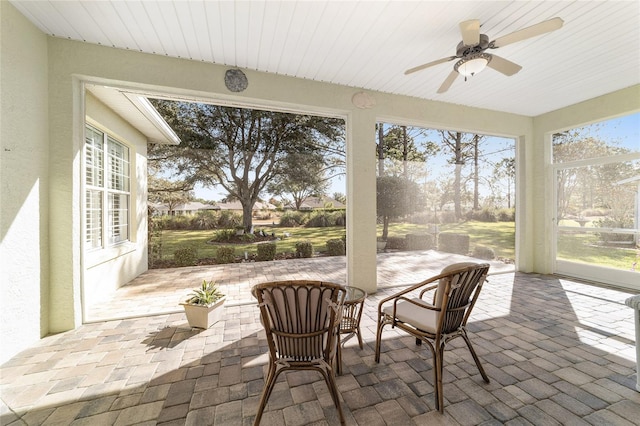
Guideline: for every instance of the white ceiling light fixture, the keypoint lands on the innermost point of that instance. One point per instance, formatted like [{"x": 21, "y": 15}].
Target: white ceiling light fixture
[{"x": 472, "y": 64}]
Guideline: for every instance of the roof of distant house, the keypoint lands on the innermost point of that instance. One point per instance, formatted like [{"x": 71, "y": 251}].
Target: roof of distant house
[{"x": 311, "y": 203}]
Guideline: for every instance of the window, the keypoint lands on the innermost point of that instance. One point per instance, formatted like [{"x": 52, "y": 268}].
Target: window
[
  {"x": 107, "y": 195},
  {"x": 596, "y": 170}
]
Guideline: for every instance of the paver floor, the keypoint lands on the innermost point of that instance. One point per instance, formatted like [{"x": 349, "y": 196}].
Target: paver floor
[{"x": 557, "y": 352}]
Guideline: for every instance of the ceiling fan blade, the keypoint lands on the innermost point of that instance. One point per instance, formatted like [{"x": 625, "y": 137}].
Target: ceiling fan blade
[
  {"x": 525, "y": 33},
  {"x": 448, "y": 82},
  {"x": 429, "y": 64},
  {"x": 470, "y": 31},
  {"x": 504, "y": 66}
]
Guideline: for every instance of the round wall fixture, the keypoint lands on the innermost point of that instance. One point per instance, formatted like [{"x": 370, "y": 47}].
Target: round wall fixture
[
  {"x": 363, "y": 100},
  {"x": 235, "y": 80}
]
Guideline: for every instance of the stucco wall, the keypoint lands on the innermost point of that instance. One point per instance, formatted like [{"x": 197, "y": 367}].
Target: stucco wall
[
  {"x": 24, "y": 183},
  {"x": 107, "y": 269}
]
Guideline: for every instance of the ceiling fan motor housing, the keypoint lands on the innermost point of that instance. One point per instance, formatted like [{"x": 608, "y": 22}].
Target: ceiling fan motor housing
[{"x": 464, "y": 50}]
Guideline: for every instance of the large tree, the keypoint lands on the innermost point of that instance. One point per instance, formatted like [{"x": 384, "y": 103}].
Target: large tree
[
  {"x": 303, "y": 175},
  {"x": 396, "y": 197},
  {"x": 463, "y": 147},
  {"x": 242, "y": 150}
]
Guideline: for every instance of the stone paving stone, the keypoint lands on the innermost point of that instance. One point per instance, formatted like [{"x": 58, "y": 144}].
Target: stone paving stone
[
  {"x": 500, "y": 411},
  {"x": 537, "y": 388},
  {"x": 627, "y": 409},
  {"x": 559, "y": 413},
  {"x": 536, "y": 416},
  {"x": 368, "y": 416},
  {"x": 468, "y": 412},
  {"x": 360, "y": 398},
  {"x": 303, "y": 413},
  {"x": 605, "y": 417},
  {"x": 107, "y": 418},
  {"x": 139, "y": 413}
]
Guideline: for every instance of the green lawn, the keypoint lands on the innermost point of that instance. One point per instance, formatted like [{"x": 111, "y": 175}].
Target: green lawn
[
  {"x": 499, "y": 236},
  {"x": 587, "y": 248}
]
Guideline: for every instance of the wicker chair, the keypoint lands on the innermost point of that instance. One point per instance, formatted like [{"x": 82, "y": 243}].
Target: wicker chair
[
  {"x": 302, "y": 324},
  {"x": 437, "y": 322}
]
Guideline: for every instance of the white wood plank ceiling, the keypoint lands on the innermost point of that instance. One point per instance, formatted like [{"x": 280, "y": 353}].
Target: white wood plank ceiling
[{"x": 369, "y": 44}]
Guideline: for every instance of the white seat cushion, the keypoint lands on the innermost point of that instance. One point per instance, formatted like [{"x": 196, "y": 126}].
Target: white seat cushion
[{"x": 418, "y": 317}]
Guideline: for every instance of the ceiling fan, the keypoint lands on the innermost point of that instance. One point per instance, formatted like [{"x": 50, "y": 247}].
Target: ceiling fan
[{"x": 471, "y": 54}]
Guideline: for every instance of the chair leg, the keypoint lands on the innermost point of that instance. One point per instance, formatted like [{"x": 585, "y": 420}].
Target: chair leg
[
  {"x": 359, "y": 336},
  {"x": 381, "y": 324},
  {"x": 266, "y": 392},
  {"x": 333, "y": 390},
  {"x": 475, "y": 356},
  {"x": 439, "y": 370},
  {"x": 338, "y": 355}
]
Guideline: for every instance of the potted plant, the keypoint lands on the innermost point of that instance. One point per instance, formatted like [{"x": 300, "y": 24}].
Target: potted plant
[
  {"x": 204, "y": 306},
  {"x": 381, "y": 243}
]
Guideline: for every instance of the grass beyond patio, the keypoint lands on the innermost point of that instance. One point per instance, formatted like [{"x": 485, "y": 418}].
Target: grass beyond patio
[{"x": 500, "y": 236}]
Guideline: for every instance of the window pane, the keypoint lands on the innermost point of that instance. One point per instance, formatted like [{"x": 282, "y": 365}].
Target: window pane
[
  {"x": 94, "y": 162},
  {"x": 611, "y": 137},
  {"x": 118, "y": 155},
  {"x": 118, "y": 218},
  {"x": 93, "y": 212}
]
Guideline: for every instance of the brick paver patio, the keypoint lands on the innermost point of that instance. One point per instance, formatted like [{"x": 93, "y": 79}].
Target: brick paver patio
[{"x": 557, "y": 352}]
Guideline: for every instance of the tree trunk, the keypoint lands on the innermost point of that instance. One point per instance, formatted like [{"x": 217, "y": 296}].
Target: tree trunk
[
  {"x": 385, "y": 227},
  {"x": 247, "y": 218},
  {"x": 476, "y": 185},
  {"x": 404, "y": 152},
  {"x": 380, "y": 149},
  {"x": 458, "y": 173}
]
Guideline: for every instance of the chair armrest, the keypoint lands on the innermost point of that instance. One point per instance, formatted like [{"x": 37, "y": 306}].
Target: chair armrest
[{"x": 408, "y": 290}]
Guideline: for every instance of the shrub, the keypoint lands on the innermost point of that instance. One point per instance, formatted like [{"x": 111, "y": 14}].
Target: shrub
[
  {"x": 608, "y": 237},
  {"x": 266, "y": 251},
  {"x": 224, "y": 235},
  {"x": 228, "y": 219},
  {"x": 482, "y": 252},
  {"x": 448, "y": 217},
  {"x": 176, "y": 223},
  {"x": 507, "y": 215},
  {"x": 203, "y": 220},
  {"x": 483, "y": 215},
  {"x": 225, "y": 255},
  {"x": 186, "y": 256},
  {"x": 335, "y": 247},
  {"x": 319, "y": 219},
  {"x": 418, "y": 241},
  {"x": 453, "y": 243},
  {"x": 292, "y": 219},
  {"x": 304, "y": 249},
  {"x": 396, "y": 243}
]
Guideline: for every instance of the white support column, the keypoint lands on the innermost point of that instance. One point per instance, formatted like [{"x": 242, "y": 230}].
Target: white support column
[
  {"x": 361, "y": 200},
  {"x": 634, "y": 302}
]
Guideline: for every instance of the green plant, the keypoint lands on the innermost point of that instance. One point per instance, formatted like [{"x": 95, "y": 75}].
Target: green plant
[
  {"x": 208, "y": 294},
  {"x": 225, "y": 255},
  {"x": 186, "y": 256},
  {"x": 266, "y": 251},
  {"x": 224, "y": 235},
  {"x": 454, "y": 243},
  {"x": 335, "y": 248},
  {"x": 304, "y": 249},
  {"x": 483, "y": 252},
  {"x": 293, "y": 219}
]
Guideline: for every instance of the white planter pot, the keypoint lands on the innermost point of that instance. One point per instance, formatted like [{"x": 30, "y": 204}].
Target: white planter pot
[
  {"x": 381, "y": 245},
  {"x": 200, "y": 316}
]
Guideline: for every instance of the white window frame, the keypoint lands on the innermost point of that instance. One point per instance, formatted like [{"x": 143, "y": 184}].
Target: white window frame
[{"x": 106, "y": 191}]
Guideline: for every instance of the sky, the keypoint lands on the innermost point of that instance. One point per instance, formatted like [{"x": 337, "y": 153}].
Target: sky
[{"x": 625, "y": 130}]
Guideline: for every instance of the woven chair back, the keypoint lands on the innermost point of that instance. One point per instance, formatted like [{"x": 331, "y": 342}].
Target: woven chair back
[
  {"x": 462, "y": 291},
  {"x": 300, "y": 318}
]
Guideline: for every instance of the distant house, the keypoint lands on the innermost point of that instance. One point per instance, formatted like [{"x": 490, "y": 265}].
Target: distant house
[
  {"x": 186, "y": 209},
  {"x": 237, "y": 207},
  {"x": 315, "y": 203}
]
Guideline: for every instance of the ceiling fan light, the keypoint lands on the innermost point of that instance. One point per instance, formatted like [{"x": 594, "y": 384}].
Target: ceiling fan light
[{"x": 473, "y": 64}]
